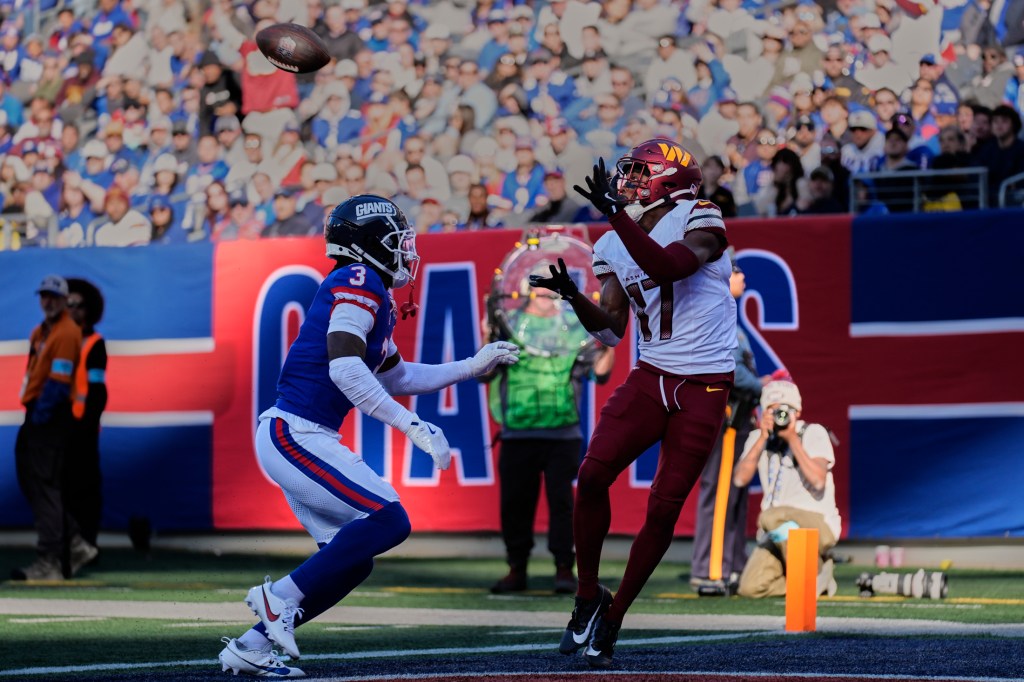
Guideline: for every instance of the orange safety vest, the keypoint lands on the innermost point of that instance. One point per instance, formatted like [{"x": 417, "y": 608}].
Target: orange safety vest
[{"x": 82, "y": 377}]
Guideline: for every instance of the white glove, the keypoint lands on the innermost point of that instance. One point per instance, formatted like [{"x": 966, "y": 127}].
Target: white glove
[
  {"x": 492, "y": 355},
  {"x": 430, "y": 439}
]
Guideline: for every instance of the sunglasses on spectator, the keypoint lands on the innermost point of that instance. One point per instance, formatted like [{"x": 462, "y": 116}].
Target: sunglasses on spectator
[
  {"x": 766, "y": 140},
  {"x": 75, "y": 304},
  {"x": 507, "y": 60}
]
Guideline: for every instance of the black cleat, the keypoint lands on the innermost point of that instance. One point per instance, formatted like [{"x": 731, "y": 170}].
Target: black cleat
[
  {"x": 602, "y": 644},
  {"x": 581, "y": 625}
]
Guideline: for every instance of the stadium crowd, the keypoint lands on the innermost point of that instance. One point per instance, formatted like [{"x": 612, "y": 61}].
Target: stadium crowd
[{"x": 159, "y": 121}]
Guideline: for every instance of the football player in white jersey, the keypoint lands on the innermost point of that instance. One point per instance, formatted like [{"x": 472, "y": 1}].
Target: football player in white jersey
[
  {"x": 344, "y": 358},
  {"x": 664, "y": 260}
]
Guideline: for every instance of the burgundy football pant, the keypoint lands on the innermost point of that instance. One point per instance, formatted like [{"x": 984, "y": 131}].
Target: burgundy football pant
[{"x": 685, "y": 413}]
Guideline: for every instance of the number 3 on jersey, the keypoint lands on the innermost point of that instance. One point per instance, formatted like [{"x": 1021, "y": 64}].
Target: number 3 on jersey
[
  {"x": 661, "y": 307},
  {"x": 360, "y": 277}
]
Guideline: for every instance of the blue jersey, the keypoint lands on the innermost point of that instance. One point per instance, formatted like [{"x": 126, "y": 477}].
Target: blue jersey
[{"x": 353, "y": 299}]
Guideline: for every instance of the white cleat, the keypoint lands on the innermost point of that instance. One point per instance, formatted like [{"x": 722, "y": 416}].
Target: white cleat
[
  {"x": 238, "y": 659},
  {"x": 277, "y": 615}
]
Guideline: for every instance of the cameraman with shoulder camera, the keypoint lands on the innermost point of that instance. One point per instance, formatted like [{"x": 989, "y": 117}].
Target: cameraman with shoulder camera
[{"x": 794, "y": 461}]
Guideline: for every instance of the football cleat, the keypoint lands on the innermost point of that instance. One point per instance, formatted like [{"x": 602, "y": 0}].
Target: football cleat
[
  {"x": 259, "y": 662},
  {"x": 278, "y": 616},
  {"x": 602, "y": 644},
  {"x": 581, "y": 625}
]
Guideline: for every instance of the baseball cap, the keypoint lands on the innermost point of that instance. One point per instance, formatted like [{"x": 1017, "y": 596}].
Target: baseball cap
[
  {"x": 928, "y": 59},
  {"x": 556, "y": 126},
  {"x": 496, "y": 16},
  {"x": 805, "y": 121},
  {"x": 594, "y": 55},
  {"x": 437, "y": 31},
  {"x": 226, "y": 123},
  {"x": 553, "y": 173},
  {"x": 114, "y": 128},
  {"x": 879, "y": 43},
  {"x": 94, "y": 149},
  {"x": 238, "y": 198},
  {"x": 165, "y": 162},
  {"x": 862, "y": 119},
  {"x": 346, "y": 68},
  {"x": 523, "y": 142},
  {"x": 351, "y": 4},
  {"x": 461, "y": 164},
  {"x": 783, "y": 392},
  {"x": 870, "y": 21},
  {"x": 323, "y": 171},
  {"x": 539, "y": 55},
  {"x": 728, "y": 95},
  {"x": 288, "y": 191},
  {"x": 820, "y": 173},
  {"x": 666, "y": 41},
  {"x": 160, "y": 123},
  {"x": 53, "y": 284},
  {"x": 119, "y": 166},
  {"x": 179, "y": 127},
  {"x": 1018, "y": 59},
  {"x": 159, "y": 201}
]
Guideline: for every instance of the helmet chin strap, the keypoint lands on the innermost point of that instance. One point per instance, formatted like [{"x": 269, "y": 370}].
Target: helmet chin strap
[{"x": 409, "y": 308}]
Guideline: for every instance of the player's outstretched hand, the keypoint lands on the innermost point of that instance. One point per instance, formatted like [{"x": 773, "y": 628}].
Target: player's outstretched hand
[
  {"x": 559, "y": 281},
  {"x": 430, "y": 439},
  {"x": 492, "y": 355},
  {"x": 599, "y": 190}
]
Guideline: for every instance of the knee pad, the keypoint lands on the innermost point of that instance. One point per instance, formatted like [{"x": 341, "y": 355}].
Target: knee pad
[
  {"x": 594, "y": 475},
  {"x": 780, "y": 534}
]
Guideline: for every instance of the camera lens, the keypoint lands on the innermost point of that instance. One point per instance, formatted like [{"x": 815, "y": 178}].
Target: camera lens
[{"x": 782, "y": 416}]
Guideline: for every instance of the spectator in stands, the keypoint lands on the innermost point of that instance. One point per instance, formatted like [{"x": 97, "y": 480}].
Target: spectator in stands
[
  {"x": 831, "y": 158},
  {"x": 981, "y": 126},
  {"x": 461, "y": 171},
  {"x": 472, "y": 91},
  {"x": 209, "y": 166},
  {"x": 76, "y": 215},
  {"x": 881, "y": 71},
  {"x": 919, "y": 154},
  {"x": 989, "y": 87},
  {"x": 711, "y": 189},
  {"x": 333, "y": 28},
  {"x": 1014, "y": 94},
  {"x": 897, "y": 193},
  {"x": 741, "y": 148},
  {"x": 886, "y": 106},
  {"x": 803, "y": 140},
  {"x": 1003, "y": 155},
  {"x": 821, "y": 194},
  {"x": 835, "y": 66},
  {"x": 523, "y": 187},
  {"x": 215, "y": 214},
  {"x": 480, "y": 215},
  {"x": 867, "y": 144},
  {"x": 794, "y": 461},
  {"x": 288, "y": 223},
  {"x": 758, "y": 174},
  {"x": 183, "y": 145},
  {"x": 786, "y": 189},
  {"x": 123, "y": 225},
  {"x": 922, "y": 99},
  {"x": 561, "y": 208}
]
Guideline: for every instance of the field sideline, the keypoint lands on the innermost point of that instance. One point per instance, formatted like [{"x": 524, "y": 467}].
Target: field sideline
[{"x": 160, "y": 617}]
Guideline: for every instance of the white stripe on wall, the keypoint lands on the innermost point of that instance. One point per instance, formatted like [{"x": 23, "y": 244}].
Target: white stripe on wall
[
  {"x": 995, "y": 325},
  {"x": 129, "y": 419},
  {"x": 954, "y": 411},
  {"x": 123, "y": 348}
]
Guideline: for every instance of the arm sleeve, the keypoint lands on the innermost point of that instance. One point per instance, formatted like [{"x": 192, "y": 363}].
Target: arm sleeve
[
  {"x": 664, "y": 264},
  {"x": 414, "y": 378},
  {"x": 351, "y": 375}
]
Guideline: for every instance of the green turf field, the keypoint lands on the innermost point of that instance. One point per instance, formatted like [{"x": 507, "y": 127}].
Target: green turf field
[{"x": 28, "y": 640}]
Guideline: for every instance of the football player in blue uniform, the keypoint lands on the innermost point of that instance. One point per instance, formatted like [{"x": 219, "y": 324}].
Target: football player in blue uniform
[{"x": 344, "y": 358}]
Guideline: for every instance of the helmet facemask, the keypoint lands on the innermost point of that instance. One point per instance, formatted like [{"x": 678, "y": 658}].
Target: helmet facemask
[
  {"x": 645, "y": 184},
  {"x": 399, "y": 243}
]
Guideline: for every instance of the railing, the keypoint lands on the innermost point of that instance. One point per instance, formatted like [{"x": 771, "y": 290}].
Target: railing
[
  {"x": 1011, "y": 191},
  {"x": 18, "y": 230},
  {"x": 919, "y": 190}
]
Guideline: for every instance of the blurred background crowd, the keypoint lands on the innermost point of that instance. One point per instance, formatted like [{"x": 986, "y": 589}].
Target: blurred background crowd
[{"x": 130, "y": 122}]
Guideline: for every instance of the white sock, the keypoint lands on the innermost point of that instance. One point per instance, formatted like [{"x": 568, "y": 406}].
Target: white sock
[
  {"x": 285, "y": 588},
  {"x": 254, "y": 640}
]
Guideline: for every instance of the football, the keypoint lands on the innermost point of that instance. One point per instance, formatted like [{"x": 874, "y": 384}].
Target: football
[{"x": 293, "y": 48}]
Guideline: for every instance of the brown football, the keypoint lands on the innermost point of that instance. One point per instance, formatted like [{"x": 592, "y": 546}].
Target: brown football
[{"x": 293, "y": 48}]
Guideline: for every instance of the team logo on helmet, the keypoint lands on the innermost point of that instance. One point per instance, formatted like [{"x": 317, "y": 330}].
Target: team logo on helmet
[
  {"x": 655, "y": 173},
  {"x": 373, "y": 230}
]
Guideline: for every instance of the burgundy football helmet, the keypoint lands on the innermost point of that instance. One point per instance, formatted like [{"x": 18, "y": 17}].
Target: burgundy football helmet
[{"x": 654, "y": 173}]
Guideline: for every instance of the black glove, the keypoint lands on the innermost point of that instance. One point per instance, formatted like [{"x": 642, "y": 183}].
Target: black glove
[
  {"x": 599, "y": 191},
  {"x": 559, "y": 281}
]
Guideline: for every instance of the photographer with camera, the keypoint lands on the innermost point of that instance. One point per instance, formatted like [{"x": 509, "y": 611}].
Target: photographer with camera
[{"x": 794, "y": 461}]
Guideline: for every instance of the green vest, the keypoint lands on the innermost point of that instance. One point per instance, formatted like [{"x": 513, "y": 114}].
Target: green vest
[{"x": 539, "y": 392}]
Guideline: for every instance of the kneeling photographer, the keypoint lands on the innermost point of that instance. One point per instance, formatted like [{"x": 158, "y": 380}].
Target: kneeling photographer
[{"x": 794, "y": 461}]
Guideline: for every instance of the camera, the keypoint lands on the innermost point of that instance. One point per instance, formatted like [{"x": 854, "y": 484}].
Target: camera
[{"x": 783, "y": 415}]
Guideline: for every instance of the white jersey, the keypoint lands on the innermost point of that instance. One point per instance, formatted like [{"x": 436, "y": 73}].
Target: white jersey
[{"x": 688, "y": 326}]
